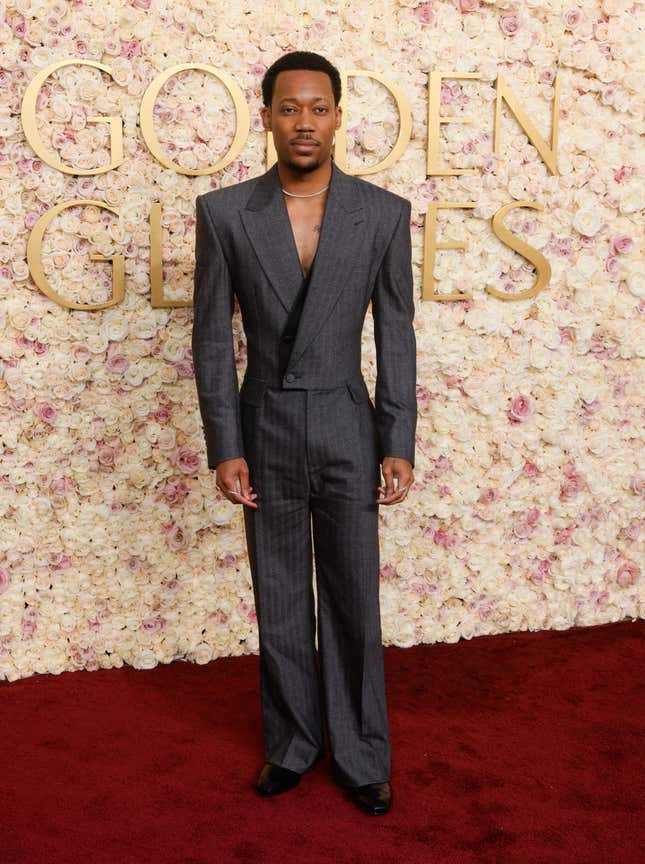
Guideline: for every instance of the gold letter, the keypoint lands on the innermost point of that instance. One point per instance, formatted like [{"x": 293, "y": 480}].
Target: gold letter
[
  {"x": 548, "y": 154},
  {"x": 157, "y": 299},
  {"x": 146, "y": 118},
  {"x": 430, "y": 246},
  {"x": 34, "y": 259},
  {"x": 435, "y": 121},
  {"x": 536, "y": 258},
  {"x": 28, "y": 118}
]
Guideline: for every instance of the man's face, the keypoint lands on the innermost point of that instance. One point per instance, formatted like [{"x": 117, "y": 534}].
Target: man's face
[{"x": 303, "y": 118}]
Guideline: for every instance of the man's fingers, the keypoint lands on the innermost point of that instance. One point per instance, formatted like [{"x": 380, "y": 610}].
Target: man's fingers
[
  {"x": 243, "y": 494},
  {"x": 240, "y": 498},
  {"x": 390, "y": 493}
]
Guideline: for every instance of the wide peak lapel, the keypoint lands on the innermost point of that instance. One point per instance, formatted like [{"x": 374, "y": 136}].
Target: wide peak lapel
[
  {"x": 337, "y": 251},
  {"x": 267, "y": 225}
]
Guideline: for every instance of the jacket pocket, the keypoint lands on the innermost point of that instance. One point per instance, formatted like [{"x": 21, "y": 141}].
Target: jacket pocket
[{"x": 358, "y": 389}]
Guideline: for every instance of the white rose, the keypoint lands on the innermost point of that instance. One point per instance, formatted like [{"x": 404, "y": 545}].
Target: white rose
[
  {"x": 144, "y": 659},
  {"x": 202, "y": 653},
  {"x": 173, "y": 350},
  {"x": 587, "y": 221},
  {"x": 540, "y": 357},
  {"x": 597, "y": 443},
  {"x": 167, "y": 440},
  {"x": 632, "y": 198},
  {"x": 636, "y": 283},
  {"x": 115, "y": 326},
  {"x": 586, "y": 266}
]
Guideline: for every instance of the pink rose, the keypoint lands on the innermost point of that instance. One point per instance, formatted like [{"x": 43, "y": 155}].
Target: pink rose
[
  {"x": 47, "y": 412},
  {"x": 520, "y": 409},
  {"x": 569, "y": 467},
  {"x": 591, "y": 407},
  {"x": 525, "y": 523},
  {"x": 5, "y": 578},
  {"x": 563, "y": 536},
  {"x": 28, "y": 623},
  {"x": 612, "y": 265},
  {"x": 424, "y": 13},
  {"x": 620, "y": 244},
  {"x": 162, "y": 415},
  {"x": 184, "y": 369},
  {"x": 153, "y": 623},
  {"x": 17, "y": 23},
  {"x": 571, "y": 487},
  {"x": 130, "y": 49},
  {"x": 541, "y": 569},
  {"x": 30, "y": 219},
  {"x": 187, "y": 460},
  {"x": 572, "y": 18},
  {"x": 117, "y": 363},
  {"x": 488, "y": 495},
  {"x": 485, "y": 611},
  {"x": 106, "y": 456},
  {"x": 177, "y": 538},
  {"x": 443, "y": 539},
  {"x": 175, "y": 491},
  {"x": 627, "y": 574},
  {"x": 466, "y": 6},
  {"x": 530, "y": 469},
  {"x": 632, "y": 530},
  {"x": 509, "y": 24},
  {"x": 59, "y": 485}
]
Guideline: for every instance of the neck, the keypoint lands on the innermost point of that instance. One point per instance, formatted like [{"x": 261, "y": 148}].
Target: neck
[{"x": 304, "y": 182}]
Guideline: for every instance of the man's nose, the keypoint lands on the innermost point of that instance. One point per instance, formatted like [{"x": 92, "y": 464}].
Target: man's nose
[{"x": 304, "y": 120}]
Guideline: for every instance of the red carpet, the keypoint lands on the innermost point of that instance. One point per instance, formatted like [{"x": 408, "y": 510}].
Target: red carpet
[{"x": 522, "y": 747}]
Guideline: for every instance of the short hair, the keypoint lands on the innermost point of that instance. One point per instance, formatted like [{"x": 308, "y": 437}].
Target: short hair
[{"x": 300, "y": 60}]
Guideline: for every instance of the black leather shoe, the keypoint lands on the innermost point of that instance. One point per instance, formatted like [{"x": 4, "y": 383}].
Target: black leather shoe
[
  {"x": 275, "y": 779},
  {"x": 374, "y": 798}
]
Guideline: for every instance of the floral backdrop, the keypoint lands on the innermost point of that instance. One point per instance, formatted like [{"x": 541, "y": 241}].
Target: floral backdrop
[{"x": 527, "y": 511}]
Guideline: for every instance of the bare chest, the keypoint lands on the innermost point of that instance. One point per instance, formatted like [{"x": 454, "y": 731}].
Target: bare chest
[{"x": 306, "y": 220}]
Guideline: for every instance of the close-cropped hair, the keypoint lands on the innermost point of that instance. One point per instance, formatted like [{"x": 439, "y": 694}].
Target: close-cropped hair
[{"x": 300, "y": 60}]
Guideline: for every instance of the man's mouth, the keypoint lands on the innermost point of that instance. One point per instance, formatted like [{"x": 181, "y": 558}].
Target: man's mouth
[{"x": 304, "y": 144}]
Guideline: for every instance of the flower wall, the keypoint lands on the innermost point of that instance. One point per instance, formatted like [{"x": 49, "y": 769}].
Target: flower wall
[{"x": 527, "y": 510}]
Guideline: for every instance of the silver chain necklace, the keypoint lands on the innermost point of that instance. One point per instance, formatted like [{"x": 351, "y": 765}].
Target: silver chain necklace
[{"x": 307, "y": 195}]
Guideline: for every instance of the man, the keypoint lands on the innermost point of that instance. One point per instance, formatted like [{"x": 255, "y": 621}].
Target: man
[{"x": 305, "y": 247}]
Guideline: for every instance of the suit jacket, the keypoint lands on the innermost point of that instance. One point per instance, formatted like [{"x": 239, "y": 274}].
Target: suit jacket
[{"x": 245, "y": 248}]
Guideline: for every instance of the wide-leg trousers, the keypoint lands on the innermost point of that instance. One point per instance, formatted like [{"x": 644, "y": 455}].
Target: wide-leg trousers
[{"x": 313, "y": 462}]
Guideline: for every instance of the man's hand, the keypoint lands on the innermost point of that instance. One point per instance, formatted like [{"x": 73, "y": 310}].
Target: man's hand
[
  {"x": 232, "y": 479},
  {"x": 395, "y": 468}
]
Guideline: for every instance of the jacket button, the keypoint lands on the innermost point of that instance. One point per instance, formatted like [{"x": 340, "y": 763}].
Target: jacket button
[{"x": 289, "y": 377}]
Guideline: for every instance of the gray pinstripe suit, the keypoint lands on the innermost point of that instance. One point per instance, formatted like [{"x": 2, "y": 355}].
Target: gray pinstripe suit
[{"x": 313, "y": 441}]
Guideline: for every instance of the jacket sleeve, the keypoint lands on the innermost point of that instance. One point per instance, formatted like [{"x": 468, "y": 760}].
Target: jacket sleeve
[
  {"x": 212, "y": 344},
  {"x": 395, "y": 341}
]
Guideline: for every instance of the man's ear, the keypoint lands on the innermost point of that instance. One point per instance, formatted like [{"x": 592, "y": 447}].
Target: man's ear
[{"x": 265, "y": 113}]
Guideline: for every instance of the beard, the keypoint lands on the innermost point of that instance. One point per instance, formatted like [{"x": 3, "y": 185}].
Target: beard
[{"x": 304, "y": 169}]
